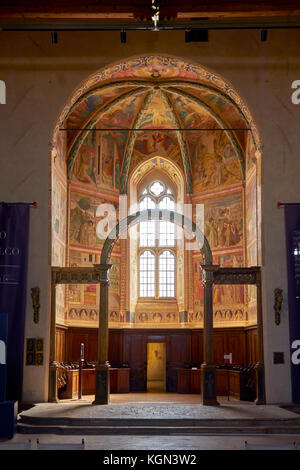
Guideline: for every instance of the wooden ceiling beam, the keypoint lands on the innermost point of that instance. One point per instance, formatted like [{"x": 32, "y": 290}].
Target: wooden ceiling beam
[
  {"x": 67, "y": 15},
  {"x": 238, "y": 14}
]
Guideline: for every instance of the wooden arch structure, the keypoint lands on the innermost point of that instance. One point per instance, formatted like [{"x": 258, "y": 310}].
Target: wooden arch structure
[{"x": 212, "y": 274}]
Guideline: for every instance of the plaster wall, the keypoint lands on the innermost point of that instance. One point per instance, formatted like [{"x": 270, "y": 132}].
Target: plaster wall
[{"x": 39, "y": 78}]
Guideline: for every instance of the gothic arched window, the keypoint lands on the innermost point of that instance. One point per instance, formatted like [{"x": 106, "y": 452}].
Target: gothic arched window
[{"x": 157, "y": 245}]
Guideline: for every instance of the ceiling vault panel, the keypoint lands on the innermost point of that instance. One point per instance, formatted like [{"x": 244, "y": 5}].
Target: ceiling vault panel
[
  {"x": 220, "y": 121},
  {"x": 92, "y": 121}
]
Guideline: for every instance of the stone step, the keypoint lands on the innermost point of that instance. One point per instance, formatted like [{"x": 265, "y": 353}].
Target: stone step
[
  {"x": 156, "y": 422},
  {"x": 156, "y": 430}
]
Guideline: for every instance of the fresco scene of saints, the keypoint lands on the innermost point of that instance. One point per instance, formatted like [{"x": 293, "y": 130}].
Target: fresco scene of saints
[
  {"x": 85, "y": 164},
  {"x": 251, "y": 210},
  {"x": 89, "y": 294},
  {"x": 114, "y": 316},
  {"x": 74, "y": 293},
  {"x": 158, "y": 143},
  {"x": 215, "y": 163},
  {"x": 83, "y": 220},
  {"x": 59, "y": 207},
  {"x": 157, "y": 317},
  {"x": 228, "y": 300},
  {"x": 60, "y": 304},
  {"x": 58, "y": 253},
  {"x": 107, "y": 152},
  {"x": 223, "y": 222}
]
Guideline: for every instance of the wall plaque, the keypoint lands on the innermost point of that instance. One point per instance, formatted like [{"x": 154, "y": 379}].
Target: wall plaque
[{"x": 35, "y": 352}]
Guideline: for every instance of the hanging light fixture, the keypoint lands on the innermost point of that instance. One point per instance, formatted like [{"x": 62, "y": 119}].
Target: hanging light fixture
[{"x": 155, "y": 14}]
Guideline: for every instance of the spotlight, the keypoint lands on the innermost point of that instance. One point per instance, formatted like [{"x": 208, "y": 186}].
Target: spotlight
[
  {"x": 123, "y": 36},
  {"x": 196, "y": 35},
  {"x": 263, "y": 35},
  {"x": 54, "y": 37},
  {"x": 188, "y": 35}
]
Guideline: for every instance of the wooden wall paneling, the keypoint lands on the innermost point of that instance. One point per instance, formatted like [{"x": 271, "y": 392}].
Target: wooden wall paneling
[
  {"x": 251, "y": 345},
  {"x": 183, "y": 381},
  {"x": 182, "y": 348},
  {"x": 126, "y": 347},
  {"x": 220, "y": 346},
  {"x": 197, "y": 347},
  {"x": 178, "y": 354},
  {"x": 137, "y": 357},
  {"x": 74, "y": 339},
  {"x": 236, "y": 343},
  {"x": 60, "y": 345},
  {"x": 93, "y": 345},
  {"x": 115, "y": 348},
  {"x": 88, "y": 381}
]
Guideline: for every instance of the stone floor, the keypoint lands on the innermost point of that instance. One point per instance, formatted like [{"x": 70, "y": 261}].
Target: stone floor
[
  {"x": 147, "y": 405},
  {"x": 155, "y": 397},
  {"x": 157, "y": 405}
]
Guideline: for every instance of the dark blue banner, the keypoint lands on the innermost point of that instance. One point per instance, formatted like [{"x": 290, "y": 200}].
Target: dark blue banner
[
  {"x": 292, "y": 225},
  {"x": 14, "y": 228},
  {"x": 3, "y": 354}
]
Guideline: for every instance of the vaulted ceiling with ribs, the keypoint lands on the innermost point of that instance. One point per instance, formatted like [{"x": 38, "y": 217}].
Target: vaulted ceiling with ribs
[{"x": 161, "y": 95}]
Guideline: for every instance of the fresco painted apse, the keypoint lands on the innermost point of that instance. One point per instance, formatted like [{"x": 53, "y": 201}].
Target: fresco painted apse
[
  {"x": 85, "y": 250},
  {"x": 224, "y": 229},
  {"x": 158, "y": 96},
  {"x": 59, "y": 216},
  {"x": 214, "y": 162}
]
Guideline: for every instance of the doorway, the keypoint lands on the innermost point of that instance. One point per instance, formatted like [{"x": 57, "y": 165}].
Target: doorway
[{"x": 156, "y": 367}]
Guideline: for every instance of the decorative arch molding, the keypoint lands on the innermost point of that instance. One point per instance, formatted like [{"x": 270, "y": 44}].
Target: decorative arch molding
[
  {"x": 156, "y": 214},
  {"x": 159, "y": 163}
]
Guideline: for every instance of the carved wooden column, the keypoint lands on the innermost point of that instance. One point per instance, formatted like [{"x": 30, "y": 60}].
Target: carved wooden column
[
  {"x": 249, "y": 276},
  {"x": 260, "y": 368},
  {"x": 53, "y": 397},
  {"x": 102, "y": 367},
  {"x": 208, "y": 369}
]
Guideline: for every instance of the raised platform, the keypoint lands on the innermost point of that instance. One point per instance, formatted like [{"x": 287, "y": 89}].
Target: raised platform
[{"x": 157, "y": 418}]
